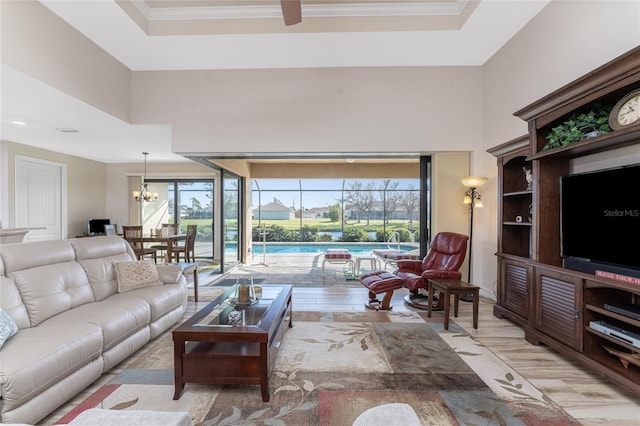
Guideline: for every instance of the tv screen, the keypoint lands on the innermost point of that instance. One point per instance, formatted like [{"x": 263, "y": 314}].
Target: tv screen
[
  {"x": 96, "y": 226},
  {"x": 600, "y": 216}
]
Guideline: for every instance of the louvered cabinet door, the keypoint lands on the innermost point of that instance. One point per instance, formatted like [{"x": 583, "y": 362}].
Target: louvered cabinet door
[
  {"x": 514, "y": 295},
  {"x": 558, "y": 313}
]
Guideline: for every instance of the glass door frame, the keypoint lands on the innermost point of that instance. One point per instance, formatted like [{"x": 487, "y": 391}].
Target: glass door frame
[
  {"x": 426, "y": 168},
  {"x": 240, "y": 247}
]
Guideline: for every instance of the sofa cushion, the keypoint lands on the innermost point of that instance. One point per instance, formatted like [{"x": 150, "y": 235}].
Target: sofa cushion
[
  {"x": 17, "y": 257},
  {"x": 8, "y": 327},
  {"x": 38, "y": 357},
  {"x": 100, "y": 247},
  {"x": 52, "y": 289},
  {"x": 97, "y": 256},
  {"x": 162, "y": 299},
  {"x": 118, "y": 319},
  {"x": 11, "y": 302},
  {"x": 136, "y": 274}
]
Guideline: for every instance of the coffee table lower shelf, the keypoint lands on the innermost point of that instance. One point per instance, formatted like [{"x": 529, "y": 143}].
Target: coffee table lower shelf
[{"x": 226, "y": 363}]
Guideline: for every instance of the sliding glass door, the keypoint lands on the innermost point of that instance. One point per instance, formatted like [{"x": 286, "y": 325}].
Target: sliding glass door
[{"x": 185, "y": 202}]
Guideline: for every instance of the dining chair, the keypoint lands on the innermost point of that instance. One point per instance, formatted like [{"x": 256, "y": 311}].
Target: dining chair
[
  {"x": 133, "y": 235},
  {"x": 167, "y": 229},
  {"x": 188, "y": 249}
]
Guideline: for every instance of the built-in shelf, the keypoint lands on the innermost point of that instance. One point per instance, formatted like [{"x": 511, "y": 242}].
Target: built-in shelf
[{"x": 615, "y": 139}]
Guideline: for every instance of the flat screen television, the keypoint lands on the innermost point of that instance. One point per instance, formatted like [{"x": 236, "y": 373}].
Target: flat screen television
[
  {"x": 600, "y": 218},
  {"x": 96, "y": 226}
]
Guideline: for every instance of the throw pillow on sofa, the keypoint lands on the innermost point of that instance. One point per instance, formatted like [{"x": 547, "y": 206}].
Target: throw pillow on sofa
[
  {"x": 136, "y": 274},
  {"x": 7, "y": 327},
  {"x": 170, "y": 274}
]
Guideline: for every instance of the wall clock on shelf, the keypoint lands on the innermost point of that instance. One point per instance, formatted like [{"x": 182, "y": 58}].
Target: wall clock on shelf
[{"x": 626, "y": 112}]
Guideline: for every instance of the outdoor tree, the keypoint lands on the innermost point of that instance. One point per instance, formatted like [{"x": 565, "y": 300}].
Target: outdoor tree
[
  {"x": 390, "y": 198},
  {"x": 185, "y": 211},
  {"x": 368, "y": 200},
  {"x": 231, "y": 199},
  {"x": 208, "y": 193},
  {"x": 195, "y": 204},
  {"x": 335, "y": 213},
  {"x": 361, "y": 199},
  {"x": 353, "y": 199},
  {"x": 410, "y": 202}
]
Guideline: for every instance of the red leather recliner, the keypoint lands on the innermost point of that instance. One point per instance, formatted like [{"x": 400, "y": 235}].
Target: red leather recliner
[{"x": 446, "y": 254}]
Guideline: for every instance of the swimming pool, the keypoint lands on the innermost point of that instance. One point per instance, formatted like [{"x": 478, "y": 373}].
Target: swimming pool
[{"x": 361, "y": 249}]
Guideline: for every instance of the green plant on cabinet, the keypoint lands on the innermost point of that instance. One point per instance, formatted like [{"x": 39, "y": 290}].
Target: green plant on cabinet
[{"x": 580, "y": 126}]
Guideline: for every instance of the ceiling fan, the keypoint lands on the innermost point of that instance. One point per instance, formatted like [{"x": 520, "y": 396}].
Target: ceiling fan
[{"x": 291, "y": 11}]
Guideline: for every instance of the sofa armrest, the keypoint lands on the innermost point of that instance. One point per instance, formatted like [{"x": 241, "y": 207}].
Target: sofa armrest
[
  {"x": 412, "y": 265},
  {"x": 169, "y": 274},
  {"x": 442, "y": 274}
]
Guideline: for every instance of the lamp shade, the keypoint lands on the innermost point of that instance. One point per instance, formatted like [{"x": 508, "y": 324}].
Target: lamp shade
[{"x": 473, "y": 181}]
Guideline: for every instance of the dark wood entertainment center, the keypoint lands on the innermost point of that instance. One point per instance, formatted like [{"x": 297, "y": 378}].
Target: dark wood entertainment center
[{"x": 555, "y": 305}]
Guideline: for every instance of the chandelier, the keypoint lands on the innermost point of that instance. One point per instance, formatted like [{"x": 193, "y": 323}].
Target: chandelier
[{"x": 144, "y": 194}]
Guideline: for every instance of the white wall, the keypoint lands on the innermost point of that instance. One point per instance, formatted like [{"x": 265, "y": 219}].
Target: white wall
[{"x": 43, "y": 46}]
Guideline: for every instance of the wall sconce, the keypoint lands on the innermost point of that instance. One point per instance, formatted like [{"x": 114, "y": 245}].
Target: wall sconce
[
  {"x": 472, "y": 198},
  {"x": 144, "y": 194}
]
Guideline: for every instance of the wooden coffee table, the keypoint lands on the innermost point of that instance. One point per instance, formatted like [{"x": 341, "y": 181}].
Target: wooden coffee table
[{"x": 214, "y": 347}]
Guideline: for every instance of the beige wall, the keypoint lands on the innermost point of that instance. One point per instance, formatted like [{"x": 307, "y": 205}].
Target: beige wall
[
  {"x": 351, "y": 110},
  {"x": 86, "y": 181},
  {"x": 449, "y": 213},
  {"x": 41, "y": 45},
  {"x": 382, "y": 170}
]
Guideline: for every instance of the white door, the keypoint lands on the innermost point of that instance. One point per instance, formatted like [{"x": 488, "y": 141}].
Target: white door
[{"x": 41, "y": 198}]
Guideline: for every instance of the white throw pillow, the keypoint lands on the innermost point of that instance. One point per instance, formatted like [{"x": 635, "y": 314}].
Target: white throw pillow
[
  {"x": 169, "y": 274},
  {"x": 7, "y": 327},
  {"x": 136, "y": 274}
]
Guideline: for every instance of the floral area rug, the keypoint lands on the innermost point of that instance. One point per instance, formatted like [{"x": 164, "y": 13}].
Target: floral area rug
[{"x": 369, "y": 368}]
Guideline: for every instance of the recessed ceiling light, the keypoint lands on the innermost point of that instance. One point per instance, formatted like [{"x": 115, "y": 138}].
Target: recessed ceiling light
[
  {"x": 351, "y": 160},
  {"x": 67, "y": 130},
  {"x": 18, "y": 123}
]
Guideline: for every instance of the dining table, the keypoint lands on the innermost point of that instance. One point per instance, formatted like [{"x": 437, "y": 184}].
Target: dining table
[{"x": 169, "y": 240}]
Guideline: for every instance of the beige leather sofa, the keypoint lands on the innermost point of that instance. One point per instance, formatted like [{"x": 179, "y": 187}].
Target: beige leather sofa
[{"x": 73, "y": 324}]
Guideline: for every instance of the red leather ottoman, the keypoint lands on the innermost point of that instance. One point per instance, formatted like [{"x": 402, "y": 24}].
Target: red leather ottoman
[{"x": 380, "y": 282}]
